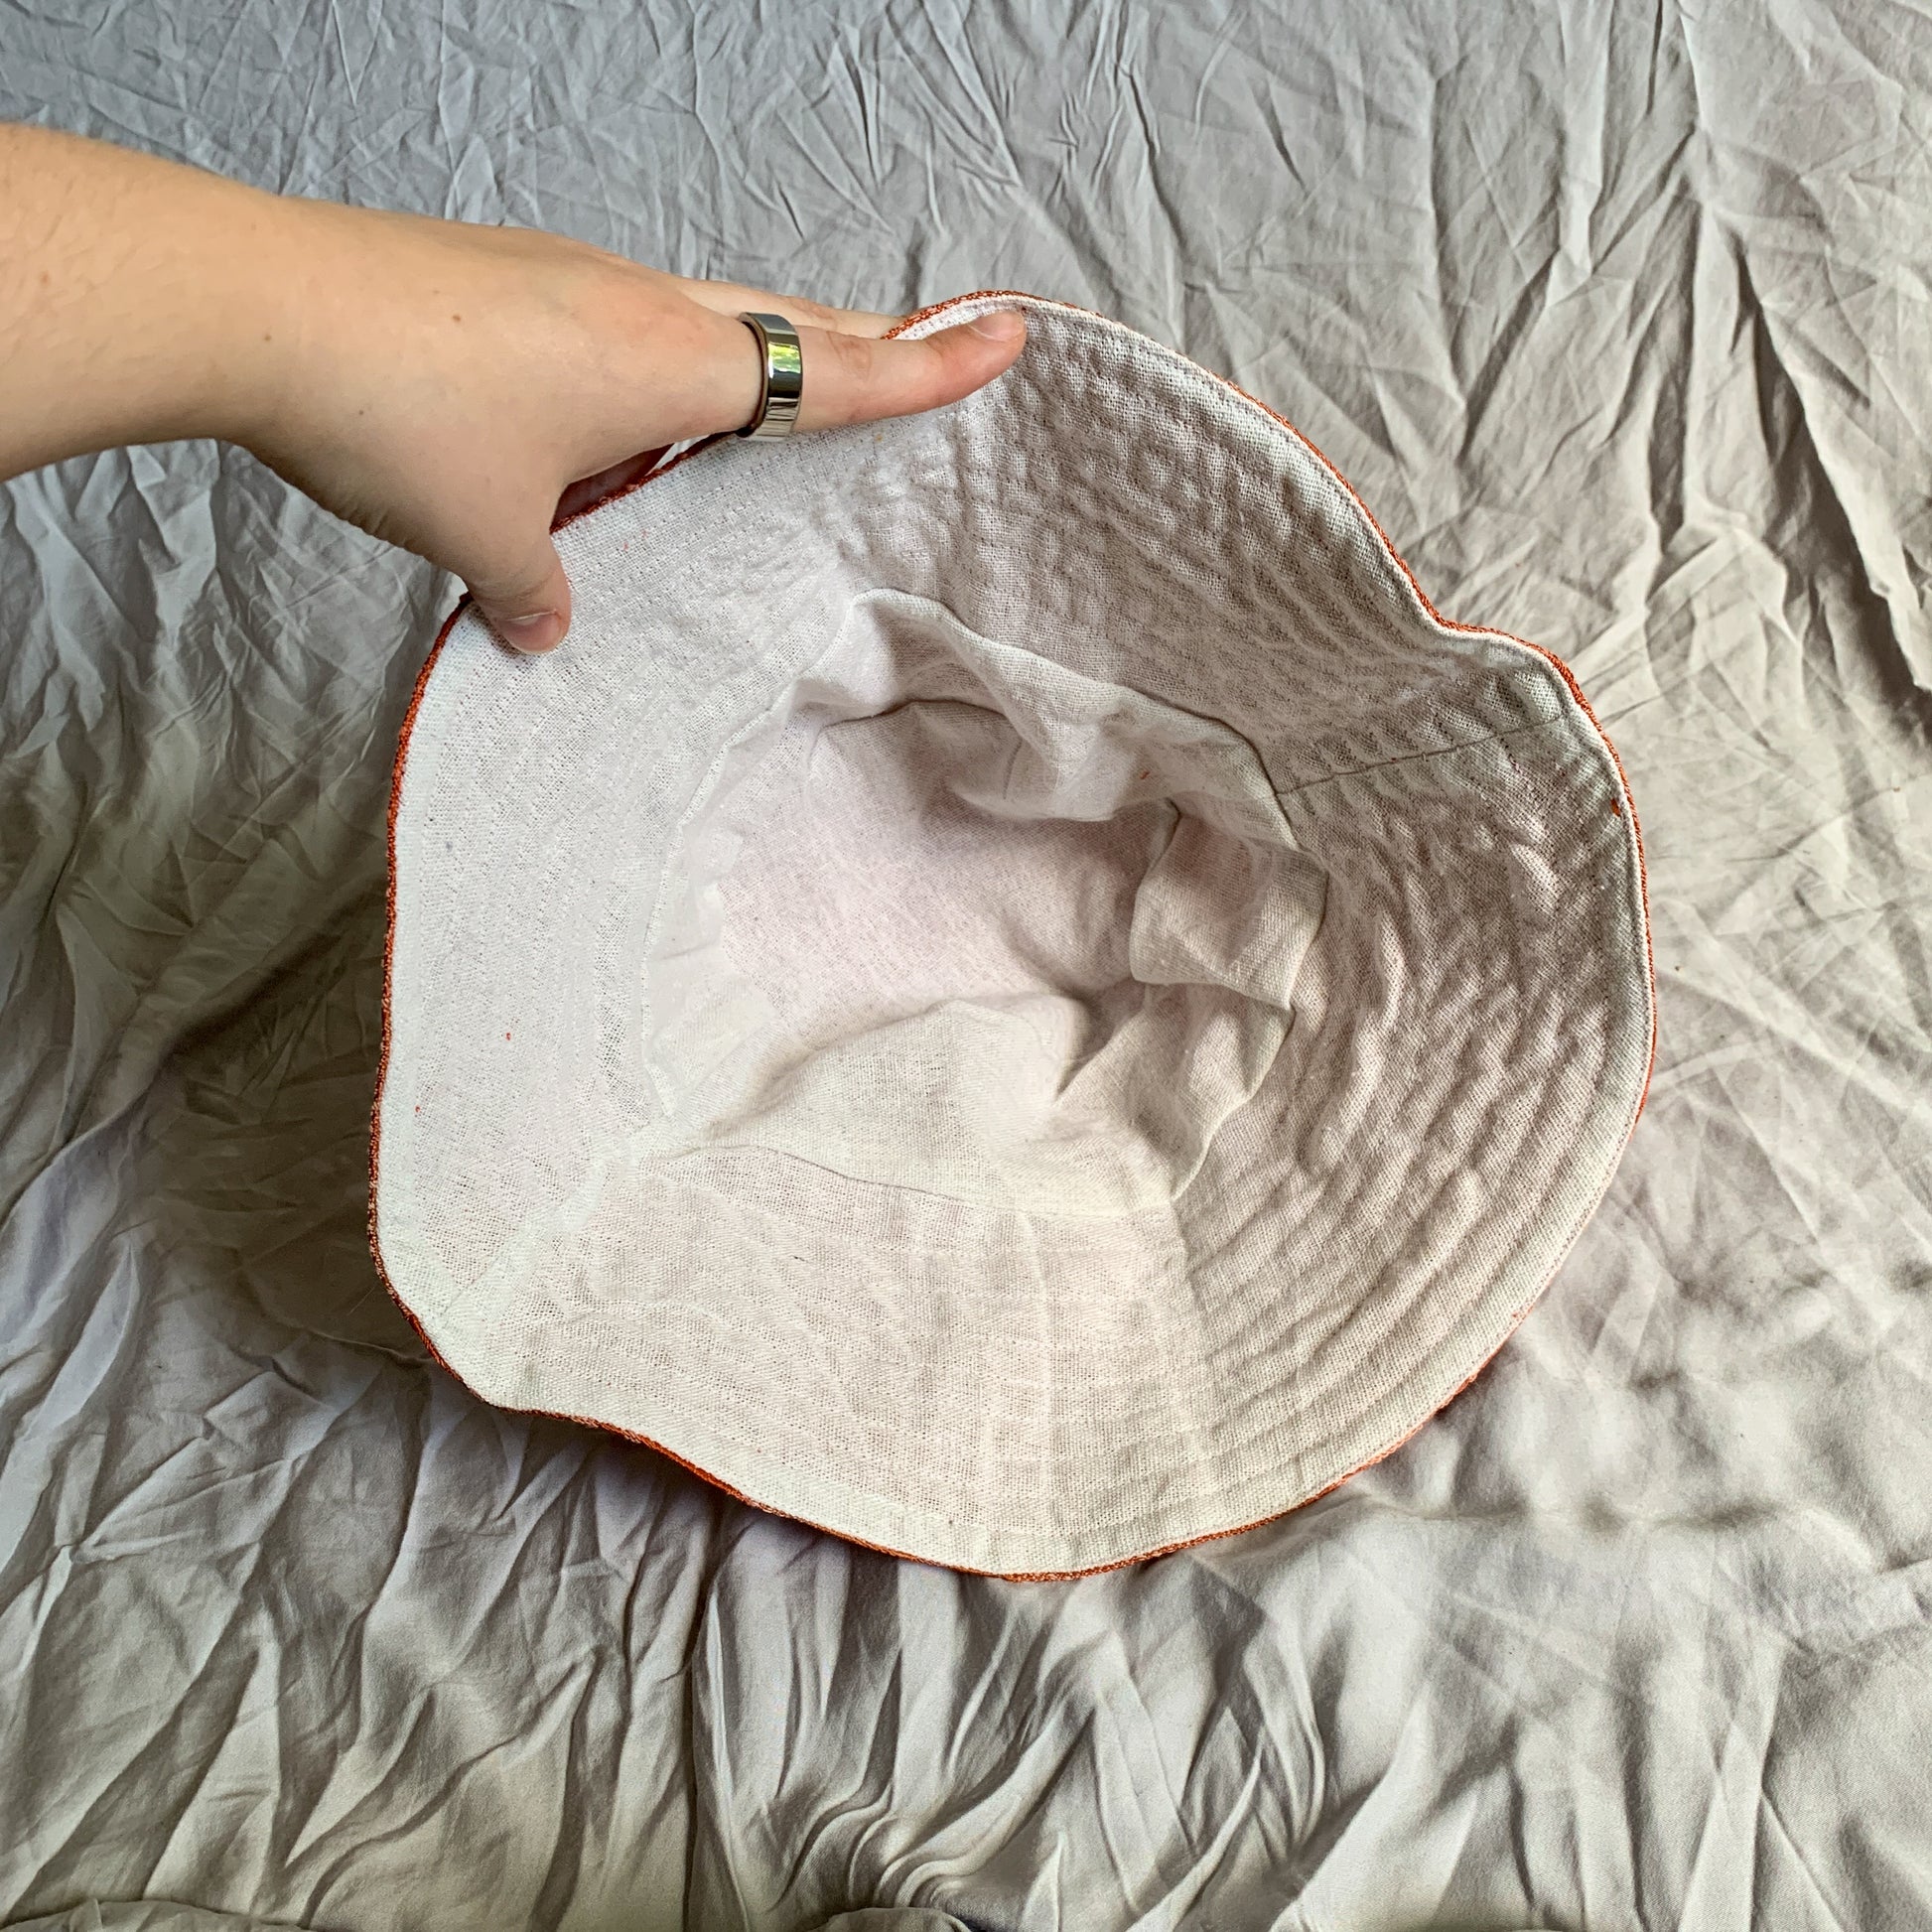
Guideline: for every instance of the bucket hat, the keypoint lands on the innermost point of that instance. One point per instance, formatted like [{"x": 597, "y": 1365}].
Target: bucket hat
[{"x": 1014, "y": 993}]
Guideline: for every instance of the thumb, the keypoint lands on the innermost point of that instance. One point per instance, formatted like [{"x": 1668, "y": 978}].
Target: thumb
[{"x": 525, "y": 595}]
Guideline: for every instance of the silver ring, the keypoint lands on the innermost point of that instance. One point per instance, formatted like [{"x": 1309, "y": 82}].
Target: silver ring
[{"x": 781, "y": 375}]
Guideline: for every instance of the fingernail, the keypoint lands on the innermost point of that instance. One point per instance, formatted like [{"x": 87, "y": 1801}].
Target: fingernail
[
  {"x": 540, "y": 630},
  {"x": 1000, "y": 325}
]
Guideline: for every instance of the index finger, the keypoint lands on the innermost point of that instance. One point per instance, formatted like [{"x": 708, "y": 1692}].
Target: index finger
[{"x": 858, "y": 378}]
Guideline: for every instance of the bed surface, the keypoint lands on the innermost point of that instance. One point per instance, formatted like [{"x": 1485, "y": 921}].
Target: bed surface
[{"x": 1619, "y": 322}]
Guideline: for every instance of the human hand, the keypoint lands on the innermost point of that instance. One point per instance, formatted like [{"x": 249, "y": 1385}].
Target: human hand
[
  {"x": 449, "y": 387},
  {"x": 455, "y": 388}
]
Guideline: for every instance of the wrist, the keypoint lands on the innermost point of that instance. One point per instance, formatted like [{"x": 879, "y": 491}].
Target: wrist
[{"x": 254, "y": 287}]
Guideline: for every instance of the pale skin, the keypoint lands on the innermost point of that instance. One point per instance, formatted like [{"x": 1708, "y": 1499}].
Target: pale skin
[{"x": 448, "y": 387}]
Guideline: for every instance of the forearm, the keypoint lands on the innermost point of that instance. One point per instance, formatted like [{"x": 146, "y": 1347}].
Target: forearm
[{"x": 137, "y": 298}]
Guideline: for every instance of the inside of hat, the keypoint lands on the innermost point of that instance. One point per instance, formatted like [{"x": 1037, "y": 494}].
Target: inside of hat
[
  {"x": 1014, "y": 993},
  {"x": 953, "y": 916}
]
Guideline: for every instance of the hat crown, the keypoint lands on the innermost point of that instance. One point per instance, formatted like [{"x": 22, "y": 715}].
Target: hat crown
[{"x": 950, "y": 916}]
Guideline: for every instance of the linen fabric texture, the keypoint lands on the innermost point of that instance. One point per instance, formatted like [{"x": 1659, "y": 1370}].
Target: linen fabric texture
[{"x": 1014, "y": 993}]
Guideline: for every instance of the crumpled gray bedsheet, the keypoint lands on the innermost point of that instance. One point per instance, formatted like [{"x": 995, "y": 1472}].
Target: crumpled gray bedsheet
[{"x": 1618, "y": 318}]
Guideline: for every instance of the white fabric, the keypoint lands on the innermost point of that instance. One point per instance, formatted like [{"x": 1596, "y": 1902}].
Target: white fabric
[
  {"x": 1015, "y": 995},
  {"x": 952, "y": 917}
]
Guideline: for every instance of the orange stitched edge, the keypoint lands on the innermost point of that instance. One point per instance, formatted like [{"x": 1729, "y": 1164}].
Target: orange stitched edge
[{"x": 718, "y": 1482}]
